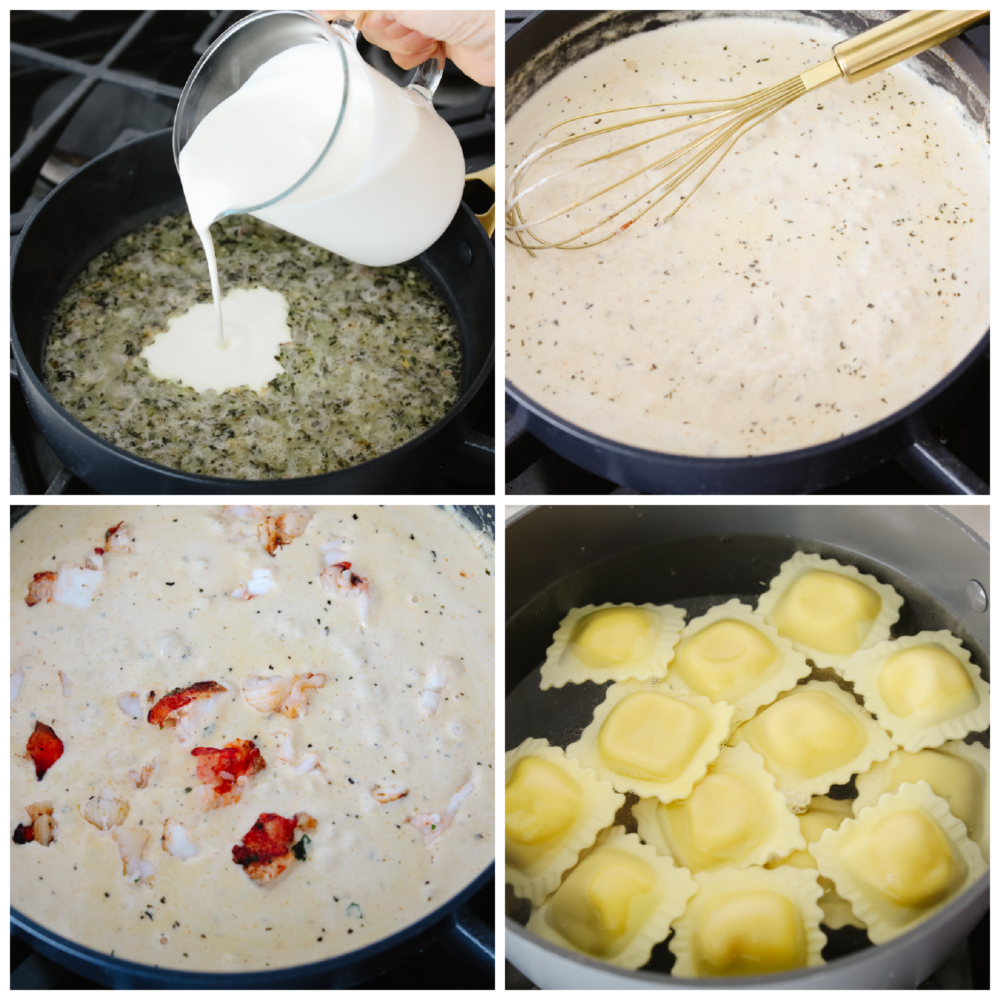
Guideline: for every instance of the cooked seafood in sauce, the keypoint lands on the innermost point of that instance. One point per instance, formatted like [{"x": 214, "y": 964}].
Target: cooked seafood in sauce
[{"x": 206, "y": 783}]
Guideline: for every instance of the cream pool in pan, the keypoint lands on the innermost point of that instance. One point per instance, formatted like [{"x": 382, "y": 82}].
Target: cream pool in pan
[
  {"x": 830, "y": 271},
  {"x": 350, "y": 657}
]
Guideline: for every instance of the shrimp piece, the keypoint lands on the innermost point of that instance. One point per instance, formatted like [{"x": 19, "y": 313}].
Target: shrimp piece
[
  {"x": 267, "y": 849},
  {"x": 118, "y": 538},
  {"x": 273, "y": 532},
  {"x": 432, "y": 825},
  {"x": 286, "y": 752},
  {"x": 41, "y": 829},
  {"x": 261, "y": 581},
  {"x": 287, "y": 695},
  {"x": 389, "y": 793},
  {"x": 338, "y": 579},
  {"x": 130, "y": 702},
  {"x": 436, "y": 680},
  {"x": 141, "y": 779},
  {"x": 44, "y": 748},
  {"x": 105, "y": 810},
  {"x": 177, "y": 841},
  {"x": 131, "y": 846},
  {"x": 67, "y": 684},
  {"x": 95, "y": 561},
  {"x": 226, "y": 772},
  {"x": 186, "y": 708},
  {"x": 75, "y": 585},
  {"x": 41, "y": 588}
]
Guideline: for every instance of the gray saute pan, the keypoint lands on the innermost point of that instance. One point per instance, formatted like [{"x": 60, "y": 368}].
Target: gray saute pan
[{"x": 567, "y": 556}]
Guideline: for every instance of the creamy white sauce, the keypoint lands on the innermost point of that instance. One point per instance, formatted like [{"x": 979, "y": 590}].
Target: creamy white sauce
[
  {"x": 832, "y": 269},
  {"x": 188, "y": 351},
  {"x": 162, "y": 618}
]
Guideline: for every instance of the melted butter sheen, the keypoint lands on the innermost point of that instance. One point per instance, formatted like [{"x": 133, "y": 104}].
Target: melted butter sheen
[
  {"x": 827, "y": 273},
  {"x": 163, "y": 618}
]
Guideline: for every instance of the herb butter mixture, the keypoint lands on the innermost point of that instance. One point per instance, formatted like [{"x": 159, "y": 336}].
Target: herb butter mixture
[
  {"x": 373, "y": 360},
  {"x": 247, "y": 738}
]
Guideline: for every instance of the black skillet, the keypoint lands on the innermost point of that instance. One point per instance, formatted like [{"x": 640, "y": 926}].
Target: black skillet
[
  {"x": 136, "y": 183},
  {"x": 535, "y": 52},
  {"x": 455, "y": 925},
  {"x": 558, "y": 558}
]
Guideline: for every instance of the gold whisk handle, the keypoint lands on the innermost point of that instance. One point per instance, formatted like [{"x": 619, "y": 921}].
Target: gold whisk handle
[{"x": 898, "y": 39}]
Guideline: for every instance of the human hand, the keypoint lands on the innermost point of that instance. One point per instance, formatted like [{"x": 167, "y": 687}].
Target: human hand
[{"x": 466, "y": 37}]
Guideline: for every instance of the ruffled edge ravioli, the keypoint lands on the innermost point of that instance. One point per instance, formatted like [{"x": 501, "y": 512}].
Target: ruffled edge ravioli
[
  {"x": 864, "y": 670},
  {"x": 704, "y": 726},
  {"x": 799, "y": 788},
  {"x": 801, "y": 563},
  {"x": 598, "y": 804},
  {"x": 593, "y": 904},
  {"x": 790, "y": 666},
  {"x": 781, "y": 834},
  {"x": 823, "y": 814},
  {"x": 863, "y": 848},
  {"x": 881, "y": 779},
  {"x": 564, "y": 666},
  {"x": 798, "y": 886}
]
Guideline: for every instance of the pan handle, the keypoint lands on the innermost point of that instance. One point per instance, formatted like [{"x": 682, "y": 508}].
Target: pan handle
[
  {"x": 473, "y": 448},
  {"x": 472, "y": 938},
  {"x": 933, "y": 464}
]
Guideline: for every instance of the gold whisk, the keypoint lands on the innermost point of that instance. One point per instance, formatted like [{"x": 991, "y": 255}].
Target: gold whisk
[{"x": 595, "y": 193}]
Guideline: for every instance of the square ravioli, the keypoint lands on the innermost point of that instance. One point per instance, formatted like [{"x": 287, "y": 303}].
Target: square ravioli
[
  {"x": 617, "y": 903},
  {"x": 958, "y": 772},
  {"x": 612, "y": 642},
  {"x": 554, "y": 809},
  {"x": 653, "y": 741},
  {"x": 924, "y": 688},
  {"x": 731, "y": 654},
  {"x": 899, "y": 861},
  {"x": 829, "y": 611},
  {"x": 734, "y": 818},
  {"x": 752, "y": 922},
  {"x": 812, "y": 737}
]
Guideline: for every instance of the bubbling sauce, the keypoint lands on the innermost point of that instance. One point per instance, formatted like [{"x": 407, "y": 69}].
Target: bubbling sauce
[{"x": 832, "y": 269}]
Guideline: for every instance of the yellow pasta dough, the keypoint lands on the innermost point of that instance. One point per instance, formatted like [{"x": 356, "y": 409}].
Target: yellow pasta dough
[
  {"x": 924, "y": 688},
  {"x": 617, "y": 903},
  {"x": 899, "y": 861},
  {"x": 554, "y": 809},
  {"x": 731, "y": 654},
  {"x": 958, "y": 772},
  {"x": 823, "y": 813},
  {"x": 827, "y": 610},
  {"x": 735, "y": 817},
  {"x": 812, "y": 737},
  {"x": 752, "y": 922},
  {"x": 651, "y": 740},
  {"x": 612, "y": 642}
]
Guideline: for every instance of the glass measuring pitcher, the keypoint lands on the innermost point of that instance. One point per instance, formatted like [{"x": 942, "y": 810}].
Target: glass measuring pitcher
[{"x": 283, "y": 119}]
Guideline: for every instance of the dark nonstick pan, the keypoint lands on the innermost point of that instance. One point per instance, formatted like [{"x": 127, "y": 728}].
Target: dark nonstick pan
[
  {"x": 136, "y": 183},
  {"x": 564, "y": 557},
  {"x": 536, "y": 51},
  {"x": 455, "y": 925}
]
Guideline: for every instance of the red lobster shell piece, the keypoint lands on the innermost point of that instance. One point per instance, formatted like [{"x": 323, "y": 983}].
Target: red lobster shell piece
[
  {"x": 170, "y": 703},
  {"x": 227, "y": 771},
  {"x": 44, "y": 748}
]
